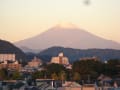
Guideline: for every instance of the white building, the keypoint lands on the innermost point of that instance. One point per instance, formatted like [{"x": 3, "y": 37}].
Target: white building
[
  {"x": 60, "y": 59},
  {"x": 7, "y": 57},
  {"x": 8, "y": 61}
]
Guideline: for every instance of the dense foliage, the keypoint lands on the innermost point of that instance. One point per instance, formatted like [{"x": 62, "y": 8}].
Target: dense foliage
[
  {"x": 81, "y": 70},
  {"x": 93, "y": 68},
  {"x": 9, "y": 75}
]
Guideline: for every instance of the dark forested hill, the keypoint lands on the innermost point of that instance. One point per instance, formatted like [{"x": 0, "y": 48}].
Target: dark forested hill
[
  {"x": 7, "y": 47},
  {"x": 76, "y": 54}
]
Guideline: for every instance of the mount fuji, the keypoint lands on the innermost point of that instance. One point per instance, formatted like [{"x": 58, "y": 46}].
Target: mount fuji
[{"x": 67, "y": 35}]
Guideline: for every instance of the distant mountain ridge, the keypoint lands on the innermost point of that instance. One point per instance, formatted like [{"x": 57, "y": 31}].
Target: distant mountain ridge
[
  {"x": 76, "y": 54},
  {"x": 67, "y": 36},
  {"x": 28, "y": 50}
]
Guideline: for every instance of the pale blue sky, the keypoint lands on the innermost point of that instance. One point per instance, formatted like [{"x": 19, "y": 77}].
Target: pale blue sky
[{"x": 20, "y": 19}]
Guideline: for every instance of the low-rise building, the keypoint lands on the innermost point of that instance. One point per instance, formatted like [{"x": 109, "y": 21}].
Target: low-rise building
[
  {"x": 8, "y": 61},
  {"x": 14, "y": 65},
  {"x": 90, "y": 58},
  {"x": 70, "y": 86},
  {"x": 7, "y": 57},
  {"x": 36, "y": 62}
]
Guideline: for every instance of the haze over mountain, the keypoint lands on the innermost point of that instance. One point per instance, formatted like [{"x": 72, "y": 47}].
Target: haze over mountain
[{"x": 67, "y": 35}]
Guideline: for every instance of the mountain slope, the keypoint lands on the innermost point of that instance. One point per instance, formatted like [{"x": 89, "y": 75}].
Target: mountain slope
[
  {"x": 7, "y": 47},
  {"x": 72, "y": 37},
  {"x": 28, "y": 50}
]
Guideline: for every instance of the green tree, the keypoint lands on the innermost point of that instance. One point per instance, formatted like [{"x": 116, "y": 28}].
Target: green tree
[
  {"x": 16, "y": 75},
  {"x": 38, "y": 74},
  {"x": 54, "y": 76},
  {"x": 62, "y": 76},
  {"x": 54, "y": 68},
  {"x": 87, "y": 67},
  {"x": 113, "y": 62},
  {"x": 112, "y": 68},
  {"x": 2, "y": 75},
  {"x": 76, "y": 76}
]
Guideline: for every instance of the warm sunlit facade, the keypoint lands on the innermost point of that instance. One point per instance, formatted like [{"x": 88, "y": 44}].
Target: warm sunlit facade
[
  {"x": 8, "y": 61},
  {"x": 60, "y": 59},
  {"x": 36, "y": 62},
  {"x": 7, "y": 57}
]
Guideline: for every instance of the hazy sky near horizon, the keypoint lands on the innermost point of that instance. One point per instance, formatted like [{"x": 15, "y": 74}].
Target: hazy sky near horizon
[{"x": 21, "y": 19}]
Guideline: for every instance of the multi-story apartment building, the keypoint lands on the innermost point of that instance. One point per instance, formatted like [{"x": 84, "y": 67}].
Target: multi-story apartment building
[
  {"x": 60, "y": 59},
  {"x": 8, "y": 61},
  {"x": 7, "y": 57}
]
